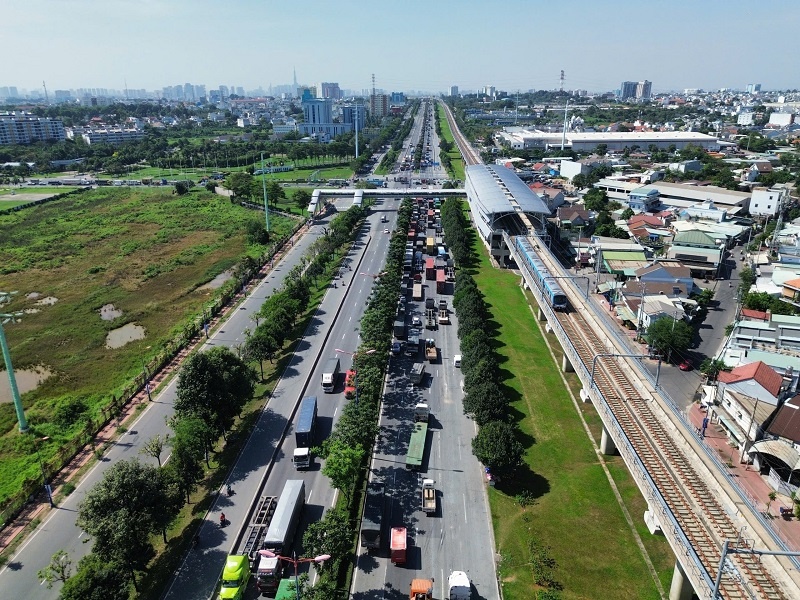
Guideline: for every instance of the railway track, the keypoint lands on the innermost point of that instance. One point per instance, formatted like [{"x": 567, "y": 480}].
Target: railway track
[{"x": 701, "y": 517}]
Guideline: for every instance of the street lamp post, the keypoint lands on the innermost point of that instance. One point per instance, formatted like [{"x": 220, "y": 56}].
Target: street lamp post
[
  {"x": 12, "y": 380},
  {"x": 47, "y": 488},
  {"x": 295, "y": 561},
  {"x": 264, "y": 187}
]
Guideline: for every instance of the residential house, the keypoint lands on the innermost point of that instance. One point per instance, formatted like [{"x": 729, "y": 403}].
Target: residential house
[
  {"x": 779, "y": 451},
  {"x": 767, "y": 202},
  {"x": 572, "y": 217},
  {"x": 673, "y": 274},
  {"x": 759, "y": 167},
  {"x": 698, "y": 251},
  {"x": 644, "y": 199}
]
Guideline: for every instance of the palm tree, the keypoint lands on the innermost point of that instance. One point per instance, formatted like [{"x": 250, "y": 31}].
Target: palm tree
[{"x": 772, "y": 495}]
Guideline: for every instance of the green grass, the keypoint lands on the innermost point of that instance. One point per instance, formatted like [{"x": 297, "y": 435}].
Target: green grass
[
  {"x": 575, "y": 512},
  {"x": 40, "y": 189},
  {"x": 6, "y": 204},
  {"x": 456, "y": 160},
  {"x": 146, "y": 251}
]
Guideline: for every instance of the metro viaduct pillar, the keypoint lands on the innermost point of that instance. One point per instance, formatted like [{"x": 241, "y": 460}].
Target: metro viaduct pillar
[
  {"x": 607, "y": 446},
  {"x": 566, "y": 366},
  {"x": 681, "y": 587}
]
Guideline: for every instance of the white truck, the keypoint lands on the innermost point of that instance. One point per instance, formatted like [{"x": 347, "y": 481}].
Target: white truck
[
  {"x": 329, "y": 375},
  {"x": 428, "y": 497},
  {"x": 459, "y": 585},
  {"x": 421, "y": 413}
]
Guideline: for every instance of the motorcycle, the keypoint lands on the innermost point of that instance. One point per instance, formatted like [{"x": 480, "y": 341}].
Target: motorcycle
[{"x": 222, "y": 520}]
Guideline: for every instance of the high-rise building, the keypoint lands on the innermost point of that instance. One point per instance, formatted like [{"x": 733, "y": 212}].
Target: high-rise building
[
  {"x": 24, "y": 128},
  {"x": 643, "y": 89},
  {"x": 397, "y": 98},
  {"x": 329, "y": 90},
  {"x": 355, "y": 114},
  {"x": 188, "y": 92},
  {"x": 627, "y": 89},
  {"x": 753, "y": 88},
  {"x": 317, "y": 110},
  {"x": 454, "y": 90},
  {"x": 223, "y": 91},
  {"x": 379, "y": 105},
  {"x": 489, "y": 90}
]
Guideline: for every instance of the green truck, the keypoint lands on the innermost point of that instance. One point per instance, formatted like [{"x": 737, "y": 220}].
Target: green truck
[
  {"x": 416, "y": 446},
  {"x": 235, "y": 577},
  {"x": 286, "y": 590}
]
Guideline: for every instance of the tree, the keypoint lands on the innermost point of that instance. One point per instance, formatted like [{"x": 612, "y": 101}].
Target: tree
[
  {"x": 154, "y": 446},
  {"x": 122, "y": 512},
  {"x": 669, "y": 335},
  {"x": 711, "y": 367},
  {"x": 497, "y": 447},
  {"x": 302, "y": 198},
  {"x": 185, "y": 467},
  {"x": 486, "y": 402},
  {"x": 97, "y": 579},
  {"x": 59, "y": 569},
  {"x": 257, "y": 232},
  {"x": 275, "y": 192},
  {"x": 595, "y": 200},
  {"x": 262, "y": 345},
  {"x": 241, "y": 184},
  {"x": 332, "y": 535},
  {"x": 627, "y": 214},
  {"x": 181, "y": 188},
  {"x": 343, "y": 466},
  {"x": 214, "y": 386}
]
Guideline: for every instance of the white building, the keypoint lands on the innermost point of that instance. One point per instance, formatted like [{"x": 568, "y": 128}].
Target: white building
[
  {"x": 766, "y": 202},
  {"x": 111, "y": 136},
  {"x": 615, "y": 141},
  {"x": 24, "y": 128}
]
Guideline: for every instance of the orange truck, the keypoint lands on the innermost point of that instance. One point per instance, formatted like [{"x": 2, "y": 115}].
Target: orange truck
[{"x": 421, "y": 589}]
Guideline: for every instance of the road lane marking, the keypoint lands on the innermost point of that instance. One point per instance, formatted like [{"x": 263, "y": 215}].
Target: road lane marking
[{"x": 464, "y": 496}]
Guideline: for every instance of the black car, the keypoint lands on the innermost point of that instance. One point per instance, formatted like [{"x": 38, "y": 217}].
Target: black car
[{"x": 397, "y": 348}]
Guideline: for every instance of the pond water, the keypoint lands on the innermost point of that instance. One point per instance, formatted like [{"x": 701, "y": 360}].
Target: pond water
[
  {"x": 109, "y": 312},
  {"x": 217, "y": 282},
  {"x": 120, "y": 336},
  {"x": 27, "y": 380}
]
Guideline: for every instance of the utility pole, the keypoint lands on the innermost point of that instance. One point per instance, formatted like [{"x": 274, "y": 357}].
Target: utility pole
[
  {"x": 564, "y": 134},
  {"x": 264, "y": 187},
  {"x": 12, "y": 380}
]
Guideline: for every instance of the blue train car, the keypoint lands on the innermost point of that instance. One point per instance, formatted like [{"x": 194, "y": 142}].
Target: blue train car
[{"x": 547, "y": 283}]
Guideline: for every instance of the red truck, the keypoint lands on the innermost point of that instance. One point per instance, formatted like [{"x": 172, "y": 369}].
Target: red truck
[
  {"x": 440, "y": 281},
  {"x": 430, "y": 269},
  {"x": 398, "y": 545}
]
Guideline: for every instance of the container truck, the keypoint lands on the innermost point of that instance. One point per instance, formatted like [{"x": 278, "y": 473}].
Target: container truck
[
  {"x": 430, "y": 318},
  {"x": 329, "y": 375},
  {"x": 280, "y": 534},
  {"x": 398, "y": 544},
  {"x": 417, "y": 373},
  {"x": 421, "y": 412},
  {"x": 459, "y": 586},
  {"x": 412, "y": 346},
  {"x": 304, "y": 432},
  {"x": 400, "y": 329},
  {"x": 428, "y": 497},
  {"x": 430, "y": 269},
  {"x": 417, "y": 292},
  {"x": 286, "y": 590},
  {"x": 373, "y": 516},
  {"x": 441, "y": 278},
  {"x": 235, "y": 577},
  {"x": 416, "y": 446}
]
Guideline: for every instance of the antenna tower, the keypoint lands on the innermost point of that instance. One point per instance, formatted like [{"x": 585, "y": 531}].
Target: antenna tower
[
  {"x": 46, "y": 97},
  {"x": 561, "y": 81},
  {"x": 373, "y": 84}
]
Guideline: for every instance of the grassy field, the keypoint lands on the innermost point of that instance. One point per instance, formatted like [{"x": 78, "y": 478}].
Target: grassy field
[
  {"x": 39, "y": 189},
  {"x": 573, "y": 513},
  {"x": 6, "y": 204},
  {"x": 456, "y": 160},
  {"x": 146, "y": 251},
  {"x": 303, "y": 172}
]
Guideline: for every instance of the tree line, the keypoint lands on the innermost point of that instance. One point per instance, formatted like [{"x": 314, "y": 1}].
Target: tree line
[{"x": 496, "y": 444}]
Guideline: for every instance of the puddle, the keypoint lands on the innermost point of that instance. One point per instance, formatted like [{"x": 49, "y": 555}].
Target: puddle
[
  {"x": 27, "y": 380},
  {"x": 217, "y": 282},
  {"x": 109, "y": 312},
  {"x": 49, "y": 301},
  {"x": 120, "y": 336}
]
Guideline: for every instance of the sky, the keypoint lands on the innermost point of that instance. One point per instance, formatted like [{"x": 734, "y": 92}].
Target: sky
[{"x": 425, "y": 45}]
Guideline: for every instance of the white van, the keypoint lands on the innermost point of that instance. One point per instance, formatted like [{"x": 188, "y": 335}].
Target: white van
[{"x": 457, "y": 361}]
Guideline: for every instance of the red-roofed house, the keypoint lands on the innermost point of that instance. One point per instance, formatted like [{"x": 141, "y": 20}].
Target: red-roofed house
[
  {"x": 780, "y": 450},
  {"x": 750, "y": 395},
  {"x": 755, "y": 315},
  {"x": 791, "y": 290}
]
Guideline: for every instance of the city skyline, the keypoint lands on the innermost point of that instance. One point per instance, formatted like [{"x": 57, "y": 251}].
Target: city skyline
[{"x": 516, "y": 46}]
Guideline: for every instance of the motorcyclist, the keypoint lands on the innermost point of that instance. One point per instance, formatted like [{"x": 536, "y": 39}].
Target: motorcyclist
[
  {"x": 229, "y": 490},
  {"x": 222, "y": 519}
]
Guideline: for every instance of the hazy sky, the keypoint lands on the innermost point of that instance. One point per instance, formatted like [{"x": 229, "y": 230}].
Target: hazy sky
[{"x": 410, "y": 44}]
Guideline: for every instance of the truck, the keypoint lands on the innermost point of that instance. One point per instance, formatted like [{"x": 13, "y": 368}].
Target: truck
[
  {"x": 417, "y": 373},
  {"x": 304, "y": 432},
  {"x": 417, "y": 292},
  {"x": 431, "y": 351},
  {"x": 430, "y": 269},
  {"x": 450, "y": 274},
  {"x": 400, "y": 329},
  {"x": 330, "y": 374},
  {"x": 430, "y": 318},
  {"x": 376, "y": 181},
  {"x": 430, "y": 246},
  {"x": 235, "y": 577},
  {"x": 398, "y": 545},
  {"x": 286, "y": 590},
  {"x": 373, "y": 516},
  {"x": 441, "y": 279},
  {"x": 280, "y": 534},
  {"x": 459, "y": 586},
  {"x": 258, "y": 526},
  {"x": 428, "y": 497},
  {"x": 421, "y": 412},
  {"x": 416, "y": 446},
  {"x": 412, "y": 345},
  {"x": 444, "y": 316},
  {"x": 421, "y": 589}
]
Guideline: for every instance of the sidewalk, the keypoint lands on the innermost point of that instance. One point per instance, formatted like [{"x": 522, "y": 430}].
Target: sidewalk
[
  {"x": 747, "y": 479},
  {"x": 38, "y": 508}
]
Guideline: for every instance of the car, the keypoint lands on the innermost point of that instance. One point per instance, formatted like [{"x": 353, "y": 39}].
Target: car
[
  {"x": 385, "y": 230},
  {"x": 685, "y": 366},
  {"x": 416, "y": 321},
  {"x": 396, "y": 348}
]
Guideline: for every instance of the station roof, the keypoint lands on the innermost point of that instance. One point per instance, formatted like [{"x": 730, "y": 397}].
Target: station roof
[{"x": 498, "y": 191}]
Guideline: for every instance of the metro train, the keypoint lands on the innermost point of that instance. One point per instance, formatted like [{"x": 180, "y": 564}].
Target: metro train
[{"x": 547, "y": 283}]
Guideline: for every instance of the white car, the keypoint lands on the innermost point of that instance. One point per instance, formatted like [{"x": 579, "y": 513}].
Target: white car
[
  {"x": 385, "y": 230},
  {"x": 416, "y": 321}
]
